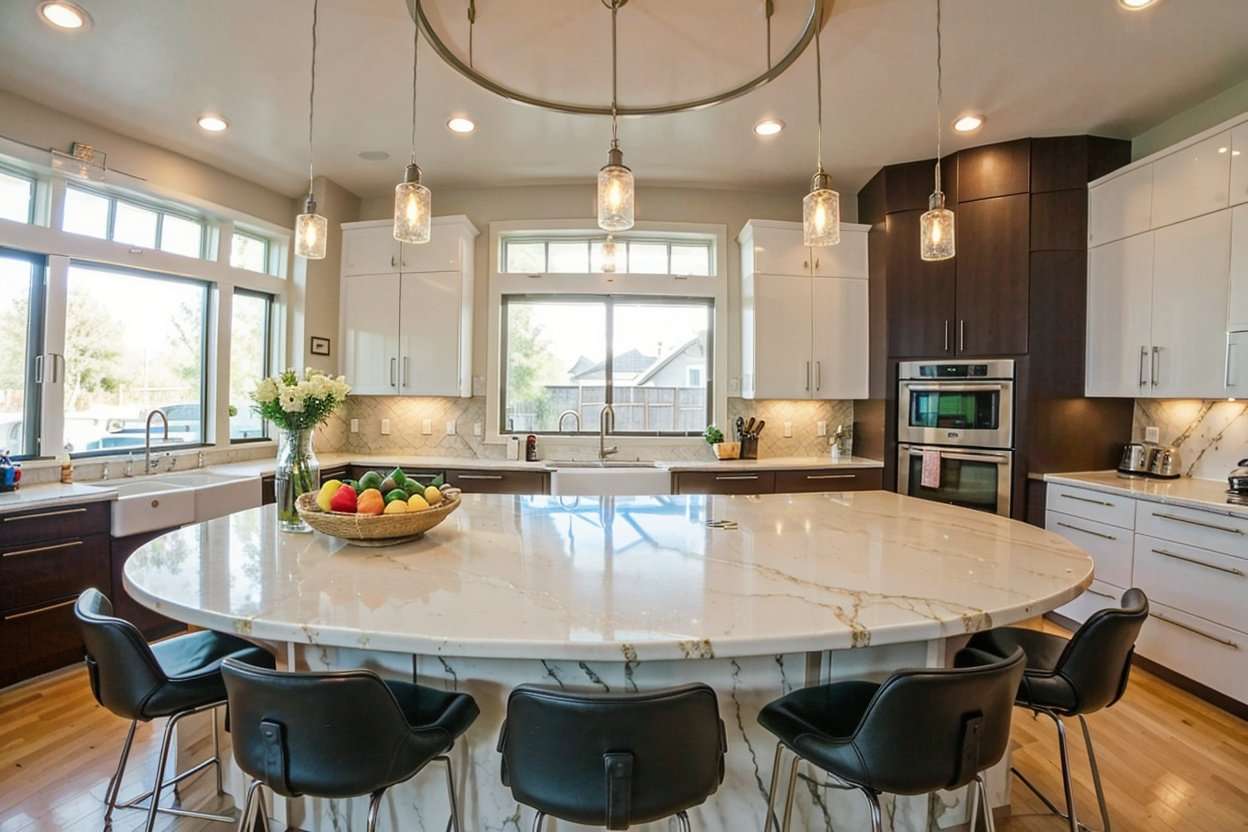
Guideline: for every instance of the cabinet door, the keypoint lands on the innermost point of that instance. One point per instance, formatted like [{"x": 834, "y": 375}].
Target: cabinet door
[
  {"x": 1192, "y": 181},
  {"x": 429, "y": 345},
  {"x": 1121, "y": 207},
  {"x": 993, "y": 275},
  {"x": 1190, "y": 285},
  {"x": 839, "y": 338},
  {"x": 370, "y": 333},
  {"x": 1119, "y": 328},
  {"x": 1238, "y": 315},
  {"x": 443, "y": 252},
  {"x": 782, "y": 327},
  {"x": 920, "y": 295},
  {"x": 371, "y": 249},
  {"x": 780, "y": 250},
  {"x": 848, "y": 259},
  {"x": 1239, "y": 164}
]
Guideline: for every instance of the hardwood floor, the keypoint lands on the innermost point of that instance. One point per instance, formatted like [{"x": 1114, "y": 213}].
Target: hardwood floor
[{"x": 1170, "y": 762}]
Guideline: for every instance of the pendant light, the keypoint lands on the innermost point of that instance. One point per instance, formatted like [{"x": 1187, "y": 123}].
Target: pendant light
[
  {"x": 311, "y": 227},
  {"x": 412, "y": 200},
  {"x": 936, "y": 233},
  {"x": 615, "y": 180},
  {"x": 821, "y": 208}
]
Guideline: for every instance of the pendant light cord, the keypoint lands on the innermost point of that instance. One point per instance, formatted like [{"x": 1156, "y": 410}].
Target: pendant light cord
[
  {"x": 312, "y": 94},
  {"x": 415, "y": 64},
  {"x": 472, "y": 19},
  {"x": 940, "y": 91},
  {"x": 819, "y": 90},
  {"x": 615, "y": 124}
]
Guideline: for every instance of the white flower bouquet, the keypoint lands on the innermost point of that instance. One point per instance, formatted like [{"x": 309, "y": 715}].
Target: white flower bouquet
[{"x": 292, "y": 403}]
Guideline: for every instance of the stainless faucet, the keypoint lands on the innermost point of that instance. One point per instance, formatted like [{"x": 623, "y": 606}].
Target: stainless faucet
[
  {"x": 574, "y": 414},
  {"x": 607, "y": 415},
  {"x": 147, "y": 438}
]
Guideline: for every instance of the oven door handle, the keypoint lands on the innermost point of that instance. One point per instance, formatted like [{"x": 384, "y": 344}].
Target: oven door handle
[
  {"x": 969, "y": 387},
  {"x": 965, "y": 457}
]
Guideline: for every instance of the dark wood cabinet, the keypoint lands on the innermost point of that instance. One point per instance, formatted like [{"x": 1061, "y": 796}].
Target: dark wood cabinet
[
  {"x": 425, "y": 475},
  {"x": 781, "y": 481},
  {"x": 992, "y": 275},
  {"x": 920, "y": 295},
  {"x": 1059, "y": 220},
  {"x": 153, "y": 625},
  {"x": 832, "y": 479},
  {"x": 994, "y": 170},
  {"x": 37, "y": 640},
  {"x": 729, "y": 482},
  {"x": 32, "y": 574},
  {"x": 54, "y": 523},
  {"x": 500, "y": 482}
]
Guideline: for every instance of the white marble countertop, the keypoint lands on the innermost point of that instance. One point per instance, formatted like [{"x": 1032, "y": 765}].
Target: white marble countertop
[
  {"x": 621, "y": 579},
  {"x": 1185, "y": 491},
  {"x": 52, "y": 494},
  {"x": 775, "y": 463}
]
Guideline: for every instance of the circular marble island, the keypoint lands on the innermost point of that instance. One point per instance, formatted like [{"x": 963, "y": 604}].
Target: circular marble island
[{"x": 753, "y": 595}]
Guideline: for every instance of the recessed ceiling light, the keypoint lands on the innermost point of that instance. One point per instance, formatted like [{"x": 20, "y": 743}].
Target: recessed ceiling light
[
  {"x": 968, "y": 123},
  {"x": 373, "y": 155},
  {"x": 64, "y": 15},
  {"x": 768, "y": 127},
  {"x": 212, "y": 123},
  {"x": 459, "y": 124},
  {"x": 1136, "y": 5}
]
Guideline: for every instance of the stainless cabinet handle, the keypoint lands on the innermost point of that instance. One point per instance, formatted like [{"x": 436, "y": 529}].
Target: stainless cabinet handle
[
  {"x": 946, "y": 335},
  {"x": 816, "y": 262},
  {"x": 43, "y": 514},
  {"x": 392, "y": 261},
  {"x": 831, "y": 476},
  {"x": 1228, "y": 570},
  {"x": 1191, "y": 629},
  {"x": 962, "y": 335},
  {"x": 807, "y": 376},
  {"x": 1086, "y": 500},
  {"x": 818, "y": 375},
  {"x": 18, "y": 615},
  {"x": 393, "y": 365},
  {"x": 36, "y": 550},
  {"x": 407, "y": 381},
  {"x": 1098, "y": 593},
  {"x": 805, "y": 264},
  {"x": 720, "y": 477},
  {"x": 58, "y": 360},
  {"x": 1086, "y": 531},
  {"x": 1156, "y": 368},
  {"x": 478, "y": 476},
  {"x": 1230, "y": 374},
  {"x": 1143, "y": 358},
  {"x": 1214, "y": 526}
]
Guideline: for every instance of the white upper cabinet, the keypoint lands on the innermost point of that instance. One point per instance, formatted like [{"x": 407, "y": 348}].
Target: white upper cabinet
[
  {"x": 370, "y": 334},
  {"x": 848, "y": 259},
  {"x": 1192, "y": 181},
  {"x": 430, "y": 326},
  {"x": 839, "y": 337},
  {"x": 782, "y": 366},
  {"x": 777, "y": 248},
  {"x": 1239, "y": 164},
  {"x": 1121, "y": 206},
  {"x": 1119, "y": 328},
  {"x": 1190, "y": 285},
  {"x": 443, "y": 253},
  {"x": 369, "y": 248},
  {"x": 1237, "y": 316}
]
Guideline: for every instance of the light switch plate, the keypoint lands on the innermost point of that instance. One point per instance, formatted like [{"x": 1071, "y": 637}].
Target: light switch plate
[
  {"x": 1152, "y": 433},
  {"x": 426, "y": 427},
  {"x": 355, "y": 425},
  {"x": 450, "y": 428},
  {"x": 385, "y": 427},
  {"x": 821, "y": 428},
  {"x": 788, "y": 430}
]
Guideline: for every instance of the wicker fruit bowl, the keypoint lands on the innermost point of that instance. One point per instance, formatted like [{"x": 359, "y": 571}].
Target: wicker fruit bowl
[{"x": 374, "y": 529}]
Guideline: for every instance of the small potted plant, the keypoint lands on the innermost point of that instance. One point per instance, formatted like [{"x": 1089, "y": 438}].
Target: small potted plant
[{"x": 723, "y": 450}]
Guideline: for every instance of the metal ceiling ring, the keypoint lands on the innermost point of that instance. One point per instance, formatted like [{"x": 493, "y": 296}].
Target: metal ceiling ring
[{"x": 416, "y": 10}]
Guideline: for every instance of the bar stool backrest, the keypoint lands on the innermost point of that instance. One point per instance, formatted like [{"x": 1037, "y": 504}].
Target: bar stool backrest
[
  {"x": 1097, "y": 659},
  {"x": 613, "y": 760},
  {"x": 121, "y": 667}
]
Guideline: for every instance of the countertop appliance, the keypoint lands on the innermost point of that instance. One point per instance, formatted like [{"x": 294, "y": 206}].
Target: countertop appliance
[
  {"x": 1136, "y": 457},
  {"x": 1165, "y": 463},
  {"x": 1237, "y": 483}
]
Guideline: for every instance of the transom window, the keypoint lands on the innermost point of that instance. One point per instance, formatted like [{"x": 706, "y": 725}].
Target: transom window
[
  {"x": 133, "y": 223},
  {"x": 683, "y": 256},
  {"x": 249, "y": 251},
  {"x": 17, "y": 196}
]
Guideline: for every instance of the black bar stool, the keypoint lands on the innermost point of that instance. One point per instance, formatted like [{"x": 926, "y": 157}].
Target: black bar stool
[
  {"x": 173, "y": 678},
  {"x": 1073, "y": 677},
  {"x": 920, "y": 731},
  {"x": 338, "y": 734},
  {"x": 612, "y": 760}
]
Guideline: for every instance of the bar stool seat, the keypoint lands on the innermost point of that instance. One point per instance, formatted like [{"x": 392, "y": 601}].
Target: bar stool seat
[
  {"x": 1043, "y": 683},
  {"x": 816, "y": 723},
  {"x": 428, "y": 708},
  {"x": 192, "y": 665}
]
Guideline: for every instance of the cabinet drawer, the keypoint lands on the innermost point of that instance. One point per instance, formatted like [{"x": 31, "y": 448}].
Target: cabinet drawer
[
  {"x": 500, "y": 482},
  {"x": 1109, "y": 546},
  {"x": 1209, "y": 653},
  {"x": 37, "y": 573},
  {"x": 38, "y": 639},
  {"x": 1097, "y": 597},
  {"x": 1093, "y": 505},
  {"x": 832, "y": 479},
  {"x": 1205, "y": 529},
  {"x": 54, "y": 523},
  {"x": 729, "y": 482},
  {"x": 1198, "y": 581},
  {"x": 424, "y": 475}
]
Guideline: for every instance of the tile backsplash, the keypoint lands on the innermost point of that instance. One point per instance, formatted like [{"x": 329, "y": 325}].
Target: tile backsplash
[{"x": 1211, "y": 435}]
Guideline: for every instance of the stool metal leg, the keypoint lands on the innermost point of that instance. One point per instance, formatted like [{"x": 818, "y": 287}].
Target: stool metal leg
[
  {"x": 153, "y": 797},
  {"x": 453, "y": 823},
  {"x": 249, "y": 803},
  {"x": 1096, "y": 774},
  {"x": 374, "y": 809},
  {"x": 216, "y": 752},
  {"x": 683, "y": 819},
  {"x": 114, "y": 784},
  {"x": 1068, "y": 785},
  {"x": 873, "y": 803},
  {"x": 972, "y": 794},
  {"x": 537, "y": 821},
  {"x": 161, "y": 760},
  {"x": 771, "y": 793},
  {"x": 788, "y": 802},
  {"x": 981, "y": 789}
]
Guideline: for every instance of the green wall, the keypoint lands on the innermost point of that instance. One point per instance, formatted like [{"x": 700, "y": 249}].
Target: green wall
[{"x": 1226, "y": 104}]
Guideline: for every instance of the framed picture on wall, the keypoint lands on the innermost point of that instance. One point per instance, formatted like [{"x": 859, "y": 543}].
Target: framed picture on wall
[{"x": 320, "y": 346}]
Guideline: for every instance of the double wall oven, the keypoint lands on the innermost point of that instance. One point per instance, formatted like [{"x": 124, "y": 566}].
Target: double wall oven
[{"x": 957, "y": 419}]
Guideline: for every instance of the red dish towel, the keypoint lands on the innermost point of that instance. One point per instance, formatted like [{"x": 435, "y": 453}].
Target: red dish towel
[{"x": 931, "y": 469}]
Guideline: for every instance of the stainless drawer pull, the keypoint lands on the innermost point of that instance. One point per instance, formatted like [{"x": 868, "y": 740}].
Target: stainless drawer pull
[
  {"x": 60, "y": 513},
  {"x": 18, "y": 615},
  {"x": 1087, "y": 500},
  {"x": 1214, "y": 526},
  {"x": 71, "y": 544},
  {"x": 1224, "y": 641},
  {"x": 1098, "y": 593},
  {"x": 479, "y": 476},
  {"x": 737, "y": 477},
  {"x": 831, "y": 476},
  {"x": 1228, "y": 570},
  {"x": 1086, "y": 531}
]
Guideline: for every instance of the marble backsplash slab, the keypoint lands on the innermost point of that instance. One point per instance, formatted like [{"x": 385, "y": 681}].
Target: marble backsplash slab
[{"x": 1211, "y": 435}]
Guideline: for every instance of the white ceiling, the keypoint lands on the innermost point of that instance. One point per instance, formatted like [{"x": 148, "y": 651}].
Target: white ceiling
[{"x": 1035, "y": 67}]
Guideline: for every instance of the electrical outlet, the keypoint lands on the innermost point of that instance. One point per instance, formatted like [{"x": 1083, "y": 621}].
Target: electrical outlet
[
  {"x": 355, "y": 425},
  {"x": 385, "y": 427},
  {"x": 734, "y": 386},
  {"x": 476, "y": 428},
  {"x": 426, "y": 427},
  {"x": 1152, "y": 433},
  {"x": 788, "y": 430},
  {"x": 821, "y": 428},
  {"x": 450, "y": 428}
]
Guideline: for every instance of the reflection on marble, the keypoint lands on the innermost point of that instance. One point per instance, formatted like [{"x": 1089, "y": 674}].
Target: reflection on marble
[
  {"x": 1211, "y": 435},
  {"x": 607, "y": 579}
]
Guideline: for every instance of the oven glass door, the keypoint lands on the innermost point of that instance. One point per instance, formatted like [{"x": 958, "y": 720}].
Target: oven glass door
[
  {"x": 970, "y": 414},
  {"x": 968, "y": 479}
]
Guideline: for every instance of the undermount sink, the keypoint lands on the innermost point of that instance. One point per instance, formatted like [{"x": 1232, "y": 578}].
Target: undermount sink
[
  {"x": 217, "y": 495},
  {"x": 171, "y": 500},
  {"x": 602, "y": 463},
  {"x": 610, "y": 479}
]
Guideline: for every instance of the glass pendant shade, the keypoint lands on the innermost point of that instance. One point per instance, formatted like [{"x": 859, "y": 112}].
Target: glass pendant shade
[
  {"x": 615, "y": 194},
  {"x": 821, "y": 214},
  {"x": 936, "y": 233},
  {"x": 310, "y": 232},
  {"x": 412, "y": 209}
]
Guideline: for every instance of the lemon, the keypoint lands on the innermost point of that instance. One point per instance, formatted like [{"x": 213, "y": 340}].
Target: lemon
[
  {"x": 432, "y": 495},
  {"x": 416, "y": 503},
  {"x": 396, "y": 507}
]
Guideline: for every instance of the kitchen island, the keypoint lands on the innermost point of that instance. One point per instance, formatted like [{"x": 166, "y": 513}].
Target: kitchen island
[{"x": 755, "y": 595}]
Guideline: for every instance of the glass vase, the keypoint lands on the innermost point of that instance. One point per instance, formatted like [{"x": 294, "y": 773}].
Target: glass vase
[{"x": 298, "y": 472}]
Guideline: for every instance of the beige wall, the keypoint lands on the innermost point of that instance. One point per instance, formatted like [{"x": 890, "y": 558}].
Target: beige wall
[
  {"x": 656, "y": 204},
  {"x": 1225, "y": 105},
  {"x": 316, "y": 282}
]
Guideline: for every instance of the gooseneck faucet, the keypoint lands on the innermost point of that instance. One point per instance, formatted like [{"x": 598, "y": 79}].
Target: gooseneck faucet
[
  {"x": 147, "y": 438},
  {"x": 606, "y": 422},
  {"x": 576, "y": 419}
]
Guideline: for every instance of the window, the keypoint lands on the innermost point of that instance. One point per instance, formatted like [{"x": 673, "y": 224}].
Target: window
[
  {"x": 250, "y": 334},
  {"x": 570, "y": 255},
  {"x": 132, "y": 223},
  {"x": 647, "y": 356},
  {"x": 21, "y": 320},
  {"x": 17, "y": 197},
  {"x": 134, "y": 341},
  {"x": 249, "y": 251}
]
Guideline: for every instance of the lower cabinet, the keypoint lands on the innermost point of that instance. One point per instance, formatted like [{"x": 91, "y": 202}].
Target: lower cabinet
[
  {"x": 839, "y": 479},
  {"x": 153, "y": 625},
  {"x": 729, "y": 482},
  {"x": 500, "y": 482},
  {"x": 786, "y": 481}
]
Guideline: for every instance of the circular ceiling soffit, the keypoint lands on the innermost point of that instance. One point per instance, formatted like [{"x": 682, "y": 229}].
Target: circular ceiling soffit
[{"x": 416, "y": 8}]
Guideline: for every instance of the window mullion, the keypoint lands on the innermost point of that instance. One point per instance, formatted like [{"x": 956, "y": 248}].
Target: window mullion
[{"x": 52, "y": 395}]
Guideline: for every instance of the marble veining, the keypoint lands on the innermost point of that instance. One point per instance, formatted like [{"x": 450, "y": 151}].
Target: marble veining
[
  {"x": 621, "y": 579},
  {"x": 1211, "y": 435}
]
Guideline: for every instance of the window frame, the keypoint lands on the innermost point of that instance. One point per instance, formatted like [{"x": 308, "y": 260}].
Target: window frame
[
  {"x": 36, "y": 358},
  {"x": 159, "y": 210},
  {"x": 270, "y": 307},
  {"x": 17, "y": 173},
  {"x": 623, "y": 243},
  {"x": 260, "y": 238}
]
